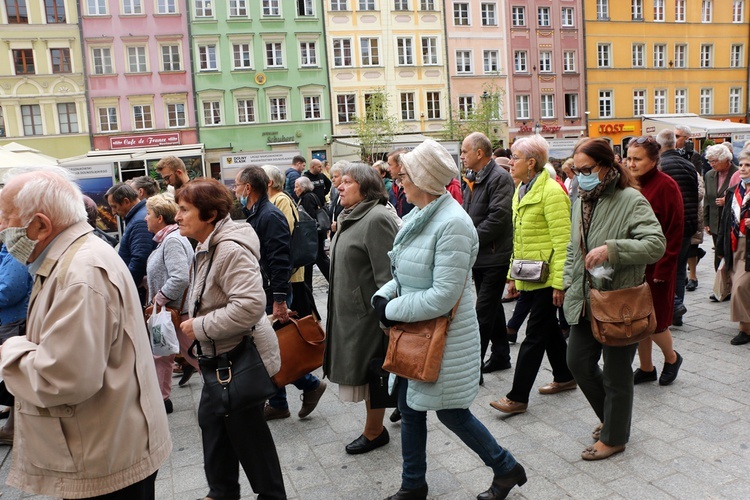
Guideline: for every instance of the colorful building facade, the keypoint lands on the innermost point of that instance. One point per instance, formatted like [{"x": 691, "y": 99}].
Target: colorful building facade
[{"x": 42, "y": 84}]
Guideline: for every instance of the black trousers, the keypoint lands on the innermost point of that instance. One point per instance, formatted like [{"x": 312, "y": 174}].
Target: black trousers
[
  {"x": 323, "y": 262},
  {"x": 142, "y": 490},
  {"x": 543, "y": 334},
  {"x": 490, "y": 283},
  {"x": 240, "y": 438}
]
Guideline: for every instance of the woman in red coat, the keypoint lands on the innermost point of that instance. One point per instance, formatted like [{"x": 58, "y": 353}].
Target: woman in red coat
[{"x": 663, "y": 193}]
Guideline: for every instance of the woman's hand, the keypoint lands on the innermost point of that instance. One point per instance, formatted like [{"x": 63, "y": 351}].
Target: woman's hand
[
  {"x": 720, "y": 202},
  {"x": 333, "y": 226},
  {"x": 512, "y": 288},
  {"x": 161, "y": 300},
  {"x": 187, "y": 328},
  {"x": 280, "y": 312},
  {"x": 558, "y": 296},
  {"x": 596, "y": 256}
]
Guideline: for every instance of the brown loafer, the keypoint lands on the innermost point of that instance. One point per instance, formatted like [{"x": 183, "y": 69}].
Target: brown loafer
[
  {"x": 505, "y": 405},
  {"x": 597, "y": 432},
  {"x": 555, "y": 387},
  {"x": 591, "y": 453}
]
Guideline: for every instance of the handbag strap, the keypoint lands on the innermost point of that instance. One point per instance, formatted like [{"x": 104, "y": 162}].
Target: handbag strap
[
  {"x": 197, "y": 304},
  {"x": 455, "y": 308}
]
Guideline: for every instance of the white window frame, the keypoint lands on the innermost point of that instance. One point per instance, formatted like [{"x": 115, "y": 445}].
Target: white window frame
[
  {"x": 146, "y": 111},
  {"x": 101, "y": 7},
  {"x": 278, "y": 108},
  {"x": 545, "y": 61},
  {"x": 604, "y": 55},
  {"x": 110, "y": 127},
  {"x": 308, "y": 8},
  {"x": 238, "y": 8},
  {"x": 638, "y": 55},
  {"x": 735, "y": 55},
  {"x": 707, "y": 57},
  {"x": 738, "y": 11},
  {"x": 308, "y": 53},
  {"x": 606, "y": 104},
  {"x": 270, "y": 8},
  {"x": 427, "y": 5},
  {"x": 430, "y": 52},
  {"x": 735, "y": 101},
  {"x": 568, "y": 17},
  {"x": 572, "y": 106},
  {"x": 141, "y": 58},
  {"x": 660, "y": 55},
  {"x": 405, "y": 51},
  {"x": 368, "y": 5},
  {"x": 602, "y": 10},
  {"x": 680, "y": 100},
  {"x": 401, "y": 5},
  {"x": 520, "y": 61},
  {"x": 518, "y": 16},
  {"x": 523, "y": 109},
  {"x": 246, "y": 107},
  {"x": 660, "y": 101},
  {"x": 569, "y": 61},
  {"x": 639, "y": 102},
  {"x": 679, "y": 11},
  {"x": 408, "y": 106},
  {"x": 659, "y": 11},
  {"x": 132, "y": 7},
  {"x": 491, "y": 61},
  {"x": 707, "y": 101},
  {"x": 173, "y": 58},
  {"x": 680, "y": 55},
  {"x": 312, "y": 106},
  {"x": 464, "y": 64},
  {"x": 214, "y": 107},
  {"x": 547, "y": 106},
  {"x": 349, "y": 109},
  {"x": 707, "y": 11},
  {"x": 339, "y": 5},
  {"x": 278, "y": 51},
  {"x": 466, "y": 106},
  {"x": 204, "y": 9},
  {"x": 208, "y": 59},
  {"x": 489, "y": 14},
  {"x": 434, "y": 107},
  {"x": 636, "y": 10},
  {"x": 167, "y": 7},
  {"x": 243, "y": 49},
  {"x": 107, "y": 61},
  {"x": 543, "y": 17},
  {"x": 461, "y": 14},
  {"x": 369, "y": 51},
  {"x": 181, "y": 119}
]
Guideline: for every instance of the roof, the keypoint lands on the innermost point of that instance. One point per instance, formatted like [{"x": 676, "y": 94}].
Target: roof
[{"x": 700, "y": 127}]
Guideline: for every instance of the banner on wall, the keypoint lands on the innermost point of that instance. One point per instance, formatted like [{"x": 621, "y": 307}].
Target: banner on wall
[{"x": 94, "y": 181}]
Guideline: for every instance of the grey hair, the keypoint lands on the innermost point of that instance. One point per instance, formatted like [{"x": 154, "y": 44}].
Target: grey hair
[
  {"x": 718, "y": 152},
  {"x": 339, "y": 166},
  {"x": 666, "y": 139},
  {"x": 275, "y": 176},
  {"x": 51, "y": 192},
  {"x": 371, "y": 185},
  {"x": 745, "y": 153},
  {"x": 684, "y": 129},
  {"x": 305, "y": 183}
]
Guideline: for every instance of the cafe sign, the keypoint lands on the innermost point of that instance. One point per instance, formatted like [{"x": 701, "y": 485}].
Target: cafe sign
[
  {"x": 144, "y": 141},
  {"x": 615, "y": 128}
]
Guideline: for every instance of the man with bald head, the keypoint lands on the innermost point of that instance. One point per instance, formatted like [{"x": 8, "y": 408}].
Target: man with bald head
[
  {"x": 90, "y": 421},
  {"x": 321, "y": 183}
]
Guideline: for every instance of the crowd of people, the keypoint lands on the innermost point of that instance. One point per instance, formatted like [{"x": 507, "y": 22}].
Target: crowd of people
[{"x": 407, "y": 239}]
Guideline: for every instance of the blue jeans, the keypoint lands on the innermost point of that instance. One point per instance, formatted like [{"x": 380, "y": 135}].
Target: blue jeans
[
  {"x": 307, "y": 383},
  {"x": 682, "y": 272},
  {"x": 462, "y": 423}
]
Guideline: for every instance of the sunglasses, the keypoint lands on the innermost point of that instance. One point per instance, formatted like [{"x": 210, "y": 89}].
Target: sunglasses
[{"x": 645, "y": 139}]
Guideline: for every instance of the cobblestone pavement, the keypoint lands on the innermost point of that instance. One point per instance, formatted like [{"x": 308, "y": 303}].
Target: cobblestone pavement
[{"x": 689, "y": 440}]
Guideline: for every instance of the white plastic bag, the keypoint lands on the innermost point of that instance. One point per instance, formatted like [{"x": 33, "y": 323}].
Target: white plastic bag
[{"x": 163, "y": 335}]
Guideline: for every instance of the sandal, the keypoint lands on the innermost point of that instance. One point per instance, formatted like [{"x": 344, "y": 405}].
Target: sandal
[
  {"x": 591, "y": 453},
  {"x": 597, "y": 432}
]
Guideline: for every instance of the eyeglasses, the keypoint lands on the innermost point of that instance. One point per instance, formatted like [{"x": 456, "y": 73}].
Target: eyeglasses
[
  {"x": 677, "y": 136},
  {"x": 238, "y": 184},
  {"x": 402, "y": 175},
  {"x": 584, "y": 170},
  {"x": 516, "y": 158},
  {"x": 645, "y": 139},
  {"x": 167, "y": 177}
]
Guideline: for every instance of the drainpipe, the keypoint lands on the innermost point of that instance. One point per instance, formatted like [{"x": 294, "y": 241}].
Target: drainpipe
[
  {"x": 92, "y": 125},
  {"x": 582, "y": 36},
  {"x": 192, "y": 80},
  {"x": 447, "y": 67},
  {"x": 331, "y": 102}
]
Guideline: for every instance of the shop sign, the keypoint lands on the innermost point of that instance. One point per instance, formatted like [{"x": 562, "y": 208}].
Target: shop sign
[
  {"x": 144, "y": 141},
  {"x": 550, "y": 129},
  {"x": 615, "y": 128}
]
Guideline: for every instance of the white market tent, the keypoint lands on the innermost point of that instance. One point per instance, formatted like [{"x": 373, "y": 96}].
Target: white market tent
[
  {"x": 700, "y": 127},
  {"x": 15, "y": 155}
]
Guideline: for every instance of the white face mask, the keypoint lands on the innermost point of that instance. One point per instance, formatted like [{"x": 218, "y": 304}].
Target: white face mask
[{"x": 19, "y": 245}]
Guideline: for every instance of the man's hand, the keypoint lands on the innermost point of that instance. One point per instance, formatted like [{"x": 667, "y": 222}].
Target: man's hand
[{"x": 280, "y": 312}]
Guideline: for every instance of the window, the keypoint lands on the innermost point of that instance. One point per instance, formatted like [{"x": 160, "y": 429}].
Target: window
[
  {"x": 312, "y": 107},
  {"x": 170, "y": 58},
  {"x": 275, "y": 57},
  {"x": 433, "y": 106},
  {"x": 102, "y": 60},
  {"x": 659, "y": 10},
  {"x": 67, "y": 117},
  {"x": 401, "y": 5},
  {"x": 568, "y": 17},
  {"x": 738, "y": 11},
  {"x": 463, "y": 61},
  {"x": 407, "y": 106},
  {"x": 543, "y": 18},
  {"x": 142, "y": 117},
  {"x": 735, "y": 57},
  {"x": 345, "y": 108},
  {"x": 460, "y": 14},
  {"x": 60, "y": 60},
  {"x": 23, "y": 60},
  {"x": 706, "y": 55},
  {"x": 427, "y": 5},
  {"x": 660, "y": 53},
  {"x": 660, "y": 101},
  {"x": 32, "y": 119},
  {"x": 571, "y": 106},
  {"x": 491, "y": 61},
  {"x": 522, "y": 107},
  {"x": 520, "y": 61},
  {"x": 489, "y": 14},
  {"x": 465, "y": 106},
  {"x": 680, "y": 101},
  {"x": 242, "y": 56},
  {"x": 548, "y": 106},
  {"x": 605, "y": 104},
  {"x": 680, "y": 55},
  {"x": 96, "y": 7},
  {"x": 429, "y": 50},
  {"x": 639, "y": 102},
  {"x": 308, "y": 54},
  {"x": 679, "y": 11},
  {"x": 176, "y": 116},
  {"x": 405, "y": 50},
  {"x": 638, "y": 50},
  {"x": 271, "y": 8},
  {"x": 569, "y": 61},
  {"x": 339, "y": 5},
  {"x": 603, "y": 53},
  {"x": 207, "y": 57},
  {"x": 245, "y": 110},
  {"x": 707, "y": 96},
  {"x": 17, "y": 13},
  {"x": 132, "y": 7},
  {"x": 2, "y": 123},
  {"x": 706, "y": 11},
  {"x": 166, "y": 7},
  {"x": 545, "y": 61},
  {"x": 204, "y": 8},
  {"x": 370, "y": 51},
  {"x": 342, "y": 52},
  {"x": 366, "y": 4},
  {"x": 211, "y": 113},
  {"x": 237, "y": 8},
  {"x": 374, "y": 106},
  {"x": 735, "y": 101},
  {"x": 518, "y": 15},
  {"x": 108, "y": 119},
  {"x": 55, "y": 10},
  {"x": 602, "y": 9},
  {"x": 636, "y": 10},
  {"x": 305, "y": 8},
  {"x": 137, "y": 60}
]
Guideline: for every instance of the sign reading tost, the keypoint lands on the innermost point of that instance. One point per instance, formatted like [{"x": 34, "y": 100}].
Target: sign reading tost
[{"x": 615, "y": 128}]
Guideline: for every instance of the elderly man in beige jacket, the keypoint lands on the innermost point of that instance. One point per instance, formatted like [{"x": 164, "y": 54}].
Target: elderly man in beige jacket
[{"x": 89, "y": 417}]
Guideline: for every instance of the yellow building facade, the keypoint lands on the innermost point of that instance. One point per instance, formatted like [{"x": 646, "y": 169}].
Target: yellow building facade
[{"x": 664, "y": 57}]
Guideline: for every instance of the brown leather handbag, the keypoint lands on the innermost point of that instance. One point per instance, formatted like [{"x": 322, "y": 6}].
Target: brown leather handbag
[{"x": 301, "y": 343}]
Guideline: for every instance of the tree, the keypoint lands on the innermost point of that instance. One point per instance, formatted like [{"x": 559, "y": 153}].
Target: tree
[
  {"x": 377, "y": 127},
  {"x": 484, "y": 116}
]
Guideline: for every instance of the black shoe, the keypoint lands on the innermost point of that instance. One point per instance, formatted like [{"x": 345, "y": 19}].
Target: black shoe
[
  {"x": 495, "y": 364},
  {"x": 679, "y": 312},
  {"x": 740, "y": 338},
  {"x": 481, "y": 378},
  {"x": 670, "y": 370},
  {"x": 404, "y": 494},
  {"x": 512, "y": 335},
  {"x": 395, "y": 416},
  {"x": 700, "y": 253},
  {"x": 363, "y": 445},
  {"x": 639, "y": 376},
  {"x": 168, "y": 406},
  {"x": 714, "y": 298},
  {"x": 187, "y": 372},
  {"x": 691, "y": 285},
  {"x": 501, "y": 485}
]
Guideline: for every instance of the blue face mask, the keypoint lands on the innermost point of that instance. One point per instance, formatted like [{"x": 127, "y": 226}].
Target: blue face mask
[
  {"x": 588, "y": 182},
  {"x": 243, "y": 201},
  {"x": 745, "y": 181}
]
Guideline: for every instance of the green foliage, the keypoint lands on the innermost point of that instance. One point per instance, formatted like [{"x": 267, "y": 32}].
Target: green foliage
[
  {"x": 377, "y": 127},
  {"x": 485, "y": 117}
]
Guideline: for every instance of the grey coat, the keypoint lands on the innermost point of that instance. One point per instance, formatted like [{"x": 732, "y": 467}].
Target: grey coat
[
  {"x": 359, "y": 267},
  {"x": 168, "y": 270},
  {"x": 711, "y": 211}
]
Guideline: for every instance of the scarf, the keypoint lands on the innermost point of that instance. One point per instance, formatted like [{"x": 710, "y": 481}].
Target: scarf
[
  {"x": 163, "y": 232},
  {"x": 589, "y": 198},
  {"x": 739, "y": 213},
  {"x": 347, "y": 212}
]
